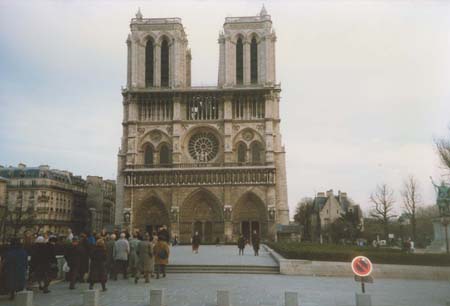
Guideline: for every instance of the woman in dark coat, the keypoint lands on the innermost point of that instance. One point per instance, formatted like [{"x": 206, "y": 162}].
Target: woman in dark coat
[
  {"x": 97, "y": 271},
  {"x": 15, "y": 264},
  {"x": 85, "y": 248}
]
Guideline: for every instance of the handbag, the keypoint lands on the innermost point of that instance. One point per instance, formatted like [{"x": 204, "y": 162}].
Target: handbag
[{"x": 66, "y": 267}]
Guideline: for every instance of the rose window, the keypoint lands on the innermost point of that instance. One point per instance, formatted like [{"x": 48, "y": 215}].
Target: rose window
[{"x": 203, "y": 147}]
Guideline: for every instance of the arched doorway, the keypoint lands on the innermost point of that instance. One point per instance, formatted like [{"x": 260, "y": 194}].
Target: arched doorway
[
  {"x": 201, "y": 212},
  {"x": 151, "y": 215},
  {"x": 250, "y": 215}
]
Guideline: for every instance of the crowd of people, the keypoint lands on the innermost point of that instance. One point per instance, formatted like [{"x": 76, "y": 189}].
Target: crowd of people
[{"x": 92, "y": 258}]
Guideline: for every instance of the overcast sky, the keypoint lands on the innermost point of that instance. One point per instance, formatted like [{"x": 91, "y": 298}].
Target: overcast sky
[{"x": 365, "y": 85}]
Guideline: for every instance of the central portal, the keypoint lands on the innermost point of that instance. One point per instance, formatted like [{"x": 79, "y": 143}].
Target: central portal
[{"x": 201, "y": 212}]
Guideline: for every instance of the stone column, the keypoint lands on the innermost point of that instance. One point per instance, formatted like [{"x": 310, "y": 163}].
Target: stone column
[
  {"x": 157, "y": 65},
  {"x": 228, "y": 128},
  {"x": 246, "y": 62}
]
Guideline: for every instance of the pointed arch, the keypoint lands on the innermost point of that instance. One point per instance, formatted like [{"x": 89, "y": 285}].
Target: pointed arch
[
  {"x": 165, "y": 157},
  {"x": 201, "y": 211},
  {"x": 249, "y": 215},
  {"x": 241, "y": 152},
  {"x": 165, "y": 61},
  {"x": 151, "y": 214},
  {"x": 148, "y": 154},
  {"x": 256, "y": 152},
  {"x": 239, "y": 60},
  {"x": 149, "y": 60}
]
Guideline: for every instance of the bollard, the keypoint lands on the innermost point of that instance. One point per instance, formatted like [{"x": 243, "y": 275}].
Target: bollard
[
  {"x": 223, "y": 298},
  {"x": 157, "y": 297},
  {"x": 290, "y": 298},
  {"x": 24, "y": 298},
  {"x": 363, "y": 299},
  {"x": 90, "y": 298}
]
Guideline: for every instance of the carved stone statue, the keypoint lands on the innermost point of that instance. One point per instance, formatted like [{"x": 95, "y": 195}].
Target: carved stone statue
[{"x": 443, "y": 197}]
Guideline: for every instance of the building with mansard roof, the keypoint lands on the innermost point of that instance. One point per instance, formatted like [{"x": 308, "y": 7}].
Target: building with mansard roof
[{"x": 206, "y": 159}]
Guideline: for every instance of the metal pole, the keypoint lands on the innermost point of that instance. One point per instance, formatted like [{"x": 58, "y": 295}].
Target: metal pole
[
  {"x": 363, "y": 288},
  {"x": 446, "y": 235}
]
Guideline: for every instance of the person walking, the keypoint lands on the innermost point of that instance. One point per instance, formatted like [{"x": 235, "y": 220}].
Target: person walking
[
  {"x": 195, "y": 242},
  {"x": 43, "y": 262},
  {"x": 120, "y": 253},
  {"x": 111, "y": 240},
  {"x": 97, "y": 269},
  {"x": 85, "y": 249},
  {"x": 15, "y": 263},
  {"x": 255, "y": 243},
  {"x": 161, "y": 253},
  {"x": 132, "y": 258},
  {"x": 73, "y": 256},
  {"x": 144, "y": 254},
  {"x": 241, "y": 244}
]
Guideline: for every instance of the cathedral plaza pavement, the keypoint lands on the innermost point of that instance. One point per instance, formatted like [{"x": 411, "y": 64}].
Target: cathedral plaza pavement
[{"x": 247, "y": 289}]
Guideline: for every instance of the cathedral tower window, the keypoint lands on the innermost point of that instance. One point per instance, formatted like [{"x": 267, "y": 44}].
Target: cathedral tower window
[
  {"x": 164, "y": 155},
  {"x": 254, "y": 61},
  {"x": 239, "y": 61},
  {"x": 256, "y": 152},
  {"x": 203, "y": 146},
  {"x": 148, "y": 155},
  {"x": 241, "y": 152},
  {"x": 149, "y": 63},
  {"x": 164, "y": 63}
]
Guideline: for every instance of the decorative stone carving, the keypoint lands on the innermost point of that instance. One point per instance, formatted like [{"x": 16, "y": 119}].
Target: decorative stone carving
[
  {"x": 169, "y": 130},
  {"x": 141, "y": 130},
  {"x": 227, "y": 212},
  {"x": 271, "y": 210},
  {"x": 174, "y": 213},
  {"x": 236, "y": 128},
  {"x": 155, "y": 136},
  {"x": 260, "y": 127},
  {"x": 248, "y": 135},
  {"x": 126, "y": 215}
]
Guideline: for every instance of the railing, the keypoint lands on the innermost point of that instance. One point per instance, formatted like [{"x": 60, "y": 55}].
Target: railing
[
  {"x": 196, "y": 165},
  {"x": 196, "y": 177}
]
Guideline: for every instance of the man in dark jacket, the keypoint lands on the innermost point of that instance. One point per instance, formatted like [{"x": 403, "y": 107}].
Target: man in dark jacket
[
  {"x": 73, "y": 257},
  {"x": 43, "y": 260},
  {"x": 255, "y": 243}
]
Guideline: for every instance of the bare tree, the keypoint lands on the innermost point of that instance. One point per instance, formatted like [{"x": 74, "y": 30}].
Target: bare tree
[
  {"x": 443, "y": 149},
  {"x": 411, "y": 199},
  {"x": 383, "y": 204}
]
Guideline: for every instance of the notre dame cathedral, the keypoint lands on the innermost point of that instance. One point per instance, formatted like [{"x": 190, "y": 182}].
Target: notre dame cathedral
[{"x": 206, "y": 159}]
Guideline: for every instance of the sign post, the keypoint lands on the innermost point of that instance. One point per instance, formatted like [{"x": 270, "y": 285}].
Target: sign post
[{"x": 362, "y": 267}]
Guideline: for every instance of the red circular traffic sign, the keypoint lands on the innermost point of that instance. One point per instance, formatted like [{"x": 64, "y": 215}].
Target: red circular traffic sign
[{"x": 361, "y": 266}]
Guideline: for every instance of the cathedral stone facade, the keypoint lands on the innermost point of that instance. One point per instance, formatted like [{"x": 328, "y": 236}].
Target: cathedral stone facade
[{"x": 206, "y": 159}]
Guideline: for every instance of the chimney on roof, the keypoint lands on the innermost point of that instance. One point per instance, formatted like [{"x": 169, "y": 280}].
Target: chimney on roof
[
  {"x": 330, "y": 193},
  {"x": 44, "y": 167},
  {"x": 321, "y": 194},
  {"x": 21, "y": 166}
]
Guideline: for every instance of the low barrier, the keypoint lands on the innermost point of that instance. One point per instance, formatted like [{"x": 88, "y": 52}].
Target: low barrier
[{"x": 158, "y": 298}]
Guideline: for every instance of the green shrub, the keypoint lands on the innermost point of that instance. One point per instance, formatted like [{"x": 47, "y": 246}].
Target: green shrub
[{"x": 329, "y": 252}]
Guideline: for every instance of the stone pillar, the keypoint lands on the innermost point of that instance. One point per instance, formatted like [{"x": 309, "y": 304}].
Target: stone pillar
[
  {"x": 246, "y": 63},
  {"x": 91, "y": 298},
  {"x": 290, "y": 299},
  {"x": 157, "y": 65},
  {"x": 24, "y": 298},
  {"x": 223, "y": 298},
  {"x": 157, "y": 297},
  {"x": 363, "y": 299},
  {"x": 228, "y": 128}
]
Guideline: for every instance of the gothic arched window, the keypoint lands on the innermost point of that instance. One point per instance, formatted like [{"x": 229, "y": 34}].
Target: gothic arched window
[
  {"x": 256, "y": 152},
  {"x": 241, "y": 152},
  {"x": 149, "y": 63},
  {"x": 165, "y": 63},
  {"x": 148, "y": 155},
  {"x": 254, "y": 61},
  {"x": 239, "y": 61},
  {"x": 164, "y": 155}
]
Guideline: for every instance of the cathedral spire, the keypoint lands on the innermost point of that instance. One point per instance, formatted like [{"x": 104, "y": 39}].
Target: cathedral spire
[
  {"x": 263, "y": 11},
  {"x": 139, "y": 14}
]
